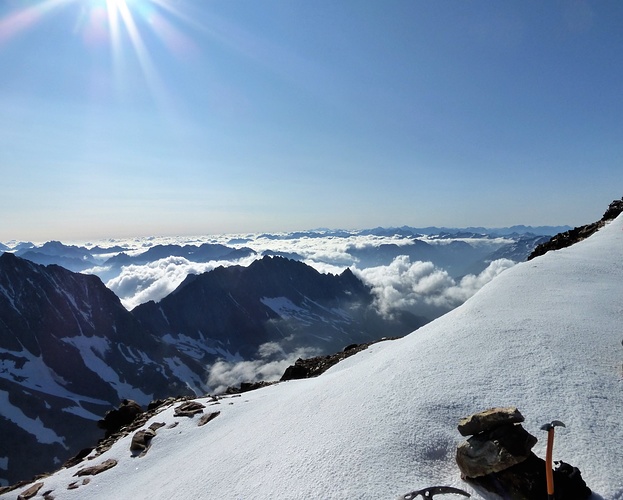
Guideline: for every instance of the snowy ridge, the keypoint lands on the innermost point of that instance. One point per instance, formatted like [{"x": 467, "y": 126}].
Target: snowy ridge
[{"x": 544, "y": 335}]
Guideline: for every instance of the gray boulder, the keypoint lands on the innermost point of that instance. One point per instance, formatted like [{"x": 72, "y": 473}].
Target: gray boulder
[{"x": 494, "y": 450}]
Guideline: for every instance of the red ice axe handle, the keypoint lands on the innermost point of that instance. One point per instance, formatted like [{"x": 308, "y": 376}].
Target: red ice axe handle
[{"x": 549, "y": 471}]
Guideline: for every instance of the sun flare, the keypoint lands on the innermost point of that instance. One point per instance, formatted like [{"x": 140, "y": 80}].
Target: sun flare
[{"x": 122, "y": 25}]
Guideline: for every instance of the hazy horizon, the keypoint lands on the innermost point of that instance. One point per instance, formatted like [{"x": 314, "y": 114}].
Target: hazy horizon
[{"x": 147, "y": 240}]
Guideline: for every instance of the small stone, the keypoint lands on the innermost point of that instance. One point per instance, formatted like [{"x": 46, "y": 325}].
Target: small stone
[
  {"x": 97, "y": 469},
  {"x": 188, "y": 409},
  {"x": 489, "y": 419},
  {"x": 141, "y": 440},
  {"x": 156, "y": 425},
  {"x": 207, "y": 418},
  {"x": 47, "y": 495},
  {"x": 30, "y": 492}
]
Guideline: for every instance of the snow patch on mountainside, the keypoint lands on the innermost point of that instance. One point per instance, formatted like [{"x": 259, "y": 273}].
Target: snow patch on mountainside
[
  {"x": 81, "y": 412},
  {"x": 92, "y": 349},
  {"x": 283, "y": 306},
  {"x": 182, "y": 372},
  {"x": 31, "y": 372},
  {"x": 198, "y": 348},
  {"x": 33, "y": 426}
]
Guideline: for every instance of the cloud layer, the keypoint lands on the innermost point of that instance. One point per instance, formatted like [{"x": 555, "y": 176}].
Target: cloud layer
[
  {"x": 422, "y": 288},
  {"x": 269, "y": 366}
]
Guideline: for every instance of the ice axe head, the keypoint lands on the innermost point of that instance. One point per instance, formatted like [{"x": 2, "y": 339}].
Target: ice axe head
[{"x": 552, "y": 424}]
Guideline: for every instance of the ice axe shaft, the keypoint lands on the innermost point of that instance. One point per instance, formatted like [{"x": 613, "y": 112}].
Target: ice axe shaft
[{"x": 549, "y": 471}]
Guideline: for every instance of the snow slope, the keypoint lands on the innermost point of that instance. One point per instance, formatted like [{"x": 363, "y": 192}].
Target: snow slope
[{"x": 544, "y": 336}]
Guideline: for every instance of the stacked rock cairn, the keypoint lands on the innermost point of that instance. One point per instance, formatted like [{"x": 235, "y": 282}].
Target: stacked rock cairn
[{"x": 498, "y": 457}]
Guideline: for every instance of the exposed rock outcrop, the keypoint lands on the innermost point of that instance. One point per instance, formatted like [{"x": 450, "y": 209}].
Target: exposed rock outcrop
[
  {"x": 141, "y": 440},
  {"x": 568, "y": 238},
  {"x": 207, "y": 417},
  {"x": 116, "y": 419},
  {"x": 312, "y": 367}
]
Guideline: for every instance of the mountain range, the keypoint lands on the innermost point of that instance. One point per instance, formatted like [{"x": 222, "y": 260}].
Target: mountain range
[
  {"x": 543, "y": 336},
  {"x": 69, "y": 351},
  {"x": 459, "y": 257}
]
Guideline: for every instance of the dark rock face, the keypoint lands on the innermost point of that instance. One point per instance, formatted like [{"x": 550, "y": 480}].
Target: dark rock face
[
  {"x": 69, "y": 351},
  {"x": 97, "y": 469},
  {"x": 30, "y": 492},
  {"x": 141, "y": 440},
  {"x": 498, "y": 442},
  {"x": 116, "y": 419},
  {"x": 614, "y": 209},
  {"x": 189, "y": 409},
  {"x": 236, "y": 309},
  {"x": 568, "y": 238},
  {"x": 208, "y": 417}
]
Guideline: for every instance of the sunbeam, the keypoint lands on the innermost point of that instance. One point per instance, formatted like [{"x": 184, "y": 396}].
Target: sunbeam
[{"x": 122, "y": 24}]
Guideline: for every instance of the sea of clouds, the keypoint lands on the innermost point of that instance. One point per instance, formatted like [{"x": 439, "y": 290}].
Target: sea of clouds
[{"x": 420, "y": 287}]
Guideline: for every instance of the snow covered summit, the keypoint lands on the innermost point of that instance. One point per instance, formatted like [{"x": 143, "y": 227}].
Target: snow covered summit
[{"x": 544, "y": 336}]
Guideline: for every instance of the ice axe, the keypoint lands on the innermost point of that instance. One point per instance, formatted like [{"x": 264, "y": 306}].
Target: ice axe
[{"x": 549, "y": 471}]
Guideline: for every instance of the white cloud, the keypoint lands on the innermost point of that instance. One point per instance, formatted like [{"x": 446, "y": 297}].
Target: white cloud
[
  {"x": 270, "y": 366},
  {"x": 417, "y": 286},
  {"x": 422, "y": 288},
  {"x": 471, "y": 283}
]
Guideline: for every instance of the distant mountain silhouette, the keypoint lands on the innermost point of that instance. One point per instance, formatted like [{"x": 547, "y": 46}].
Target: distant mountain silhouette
[
  {"x": 194, "y": 253},
  {"x": 272, "y": 300}
]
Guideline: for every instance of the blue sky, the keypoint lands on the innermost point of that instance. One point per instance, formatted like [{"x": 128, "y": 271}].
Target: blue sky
[{"x": 138, "y": 117}]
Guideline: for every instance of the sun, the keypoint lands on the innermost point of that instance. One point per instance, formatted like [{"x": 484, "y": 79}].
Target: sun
[{"x": 121, "y": 25}]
